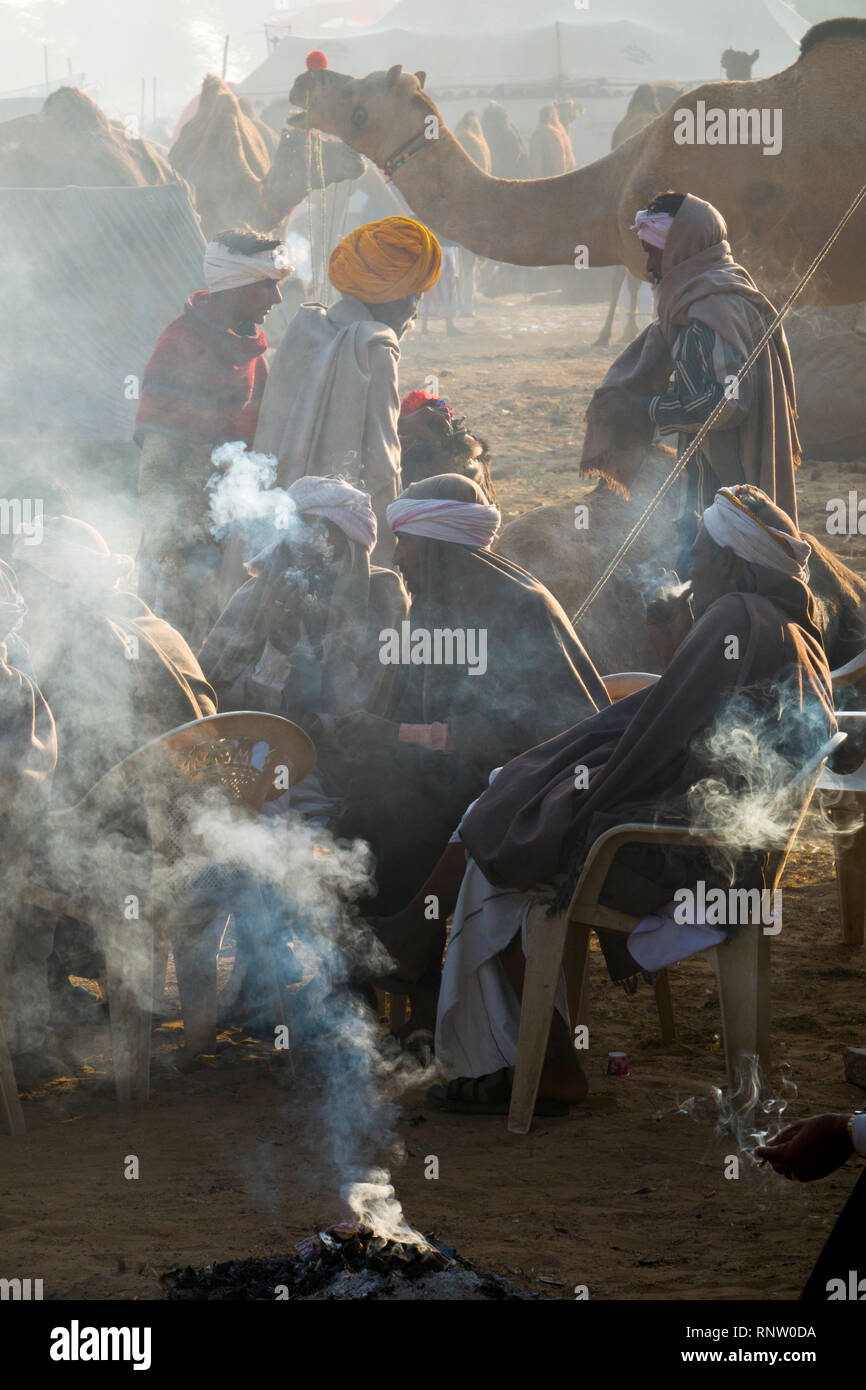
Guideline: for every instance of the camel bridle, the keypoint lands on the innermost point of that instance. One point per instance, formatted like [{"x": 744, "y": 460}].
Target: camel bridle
[{"x": 404, "y": 154}]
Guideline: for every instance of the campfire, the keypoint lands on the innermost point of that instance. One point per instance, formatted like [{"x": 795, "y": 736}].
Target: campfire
[{"x": 348, "y": 1261}]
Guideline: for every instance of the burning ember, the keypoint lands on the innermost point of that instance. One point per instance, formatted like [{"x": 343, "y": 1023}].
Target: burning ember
[{"x": 349, "y": 1261}]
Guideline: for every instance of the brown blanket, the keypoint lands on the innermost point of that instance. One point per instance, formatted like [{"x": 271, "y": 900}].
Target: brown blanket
[
  {"x": 701, "y": 280},
  {"x": 643, "y": 753}
]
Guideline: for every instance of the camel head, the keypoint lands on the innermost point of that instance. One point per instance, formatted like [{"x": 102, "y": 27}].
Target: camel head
[
  {"x": 568, "y": 110},
  {"x": 285, "y": 185},
  {"x": 375, "y": 115}
]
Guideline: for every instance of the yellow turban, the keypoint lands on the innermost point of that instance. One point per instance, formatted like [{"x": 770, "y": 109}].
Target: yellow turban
[{"x": 385, "y": 260}]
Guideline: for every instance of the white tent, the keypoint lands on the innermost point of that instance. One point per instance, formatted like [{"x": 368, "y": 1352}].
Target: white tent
[{"x": 492, "y": 44}]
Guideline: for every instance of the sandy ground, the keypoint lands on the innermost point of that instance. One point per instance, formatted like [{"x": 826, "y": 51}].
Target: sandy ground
[{"x": 626, "y": 1196}]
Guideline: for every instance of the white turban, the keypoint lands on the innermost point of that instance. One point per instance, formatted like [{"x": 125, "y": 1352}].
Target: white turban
[
  {"x": 731, "y": 524},
  {"x": 228, "y": 270},
  {"x": 652, "y": 227},
  {"x": 338, "y": 502},
  {"x": 66, "y": 561},
  {"x": 441, "y": 519}
]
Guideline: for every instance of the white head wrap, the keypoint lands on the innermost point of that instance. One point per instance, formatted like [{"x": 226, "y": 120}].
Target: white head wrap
[
  {"x": 228, "y": 270},
  {"x": 652, "y": 227},
  {"x": 66, "y": 562},
  {"x": 441, "y": 519},
  {"x": 338, "y": 502},
  {"x": 731, "y": 524}
]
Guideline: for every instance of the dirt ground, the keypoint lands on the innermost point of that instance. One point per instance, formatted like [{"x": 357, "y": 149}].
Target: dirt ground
[{"x": 626, "y": 1196}]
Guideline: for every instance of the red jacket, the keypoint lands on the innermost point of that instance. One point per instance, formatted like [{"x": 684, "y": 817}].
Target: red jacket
[{"x": 203, "y": 383}]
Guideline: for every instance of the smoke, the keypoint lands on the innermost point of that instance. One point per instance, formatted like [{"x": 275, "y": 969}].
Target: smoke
[
  {"x": 244, "y": 500},
  {"x": 751, "y": 1114},
  {"x": 752, "y": 762},
  {"x": 314, "y": 880}
]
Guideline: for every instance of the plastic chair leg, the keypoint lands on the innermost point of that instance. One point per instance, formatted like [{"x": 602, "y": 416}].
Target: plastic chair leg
[
  {"x": 665, "y": 1006},
  {"x": 11, "y": 1114},
  {"x": 129, "y": 978},
  {"x": 850, "y": 853},
  {"x": 742, "y": 968},
  {"x": 195, "y": 963},
  {"x": 543, "y": 965}
]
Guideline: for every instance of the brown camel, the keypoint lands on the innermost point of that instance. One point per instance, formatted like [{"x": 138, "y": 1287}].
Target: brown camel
[
  {"x": 266, "y": 131},
  {"x": 822, "y": 96},
  {"x": 70, "y": 141},
  {"x": 829, "y": 356},
  {"x": 647, "y": 101},
  {"x": 224, "y": 155},
  {"x": 508, "y": 157},
  {"x": 738, "y": 65},
  {"x": 471, "y": 136},
  {"x": 568, "y": 545},
  {"x": 550, "y": 151}
]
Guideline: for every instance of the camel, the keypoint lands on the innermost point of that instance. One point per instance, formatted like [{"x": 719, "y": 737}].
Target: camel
[
  {"x": 829, "y": 357},
  {"x": 568, "y": 549},
  {"x": 508, "y": 157},
  {"x": 70, "y": 141},
  {"x": 738, "y": 65},
  {"x": 647, "y": 101},
  {"x": 568, "y": 110},
  {"x": 225, "y": 156},
  {"x": 471, "y": 136},
  {"x": 550, "y": 151},
  {"x": 822, "y": 95},
  {"x": 266, "y": 131}
]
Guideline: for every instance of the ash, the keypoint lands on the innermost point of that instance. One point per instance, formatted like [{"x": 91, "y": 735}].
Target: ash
[{"x": 345, "y": 1262}]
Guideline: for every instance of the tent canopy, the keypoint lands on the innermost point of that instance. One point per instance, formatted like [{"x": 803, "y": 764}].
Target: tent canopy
[
  {"x": 93, "y": 277},
  {"x": 642, "y": 45}
]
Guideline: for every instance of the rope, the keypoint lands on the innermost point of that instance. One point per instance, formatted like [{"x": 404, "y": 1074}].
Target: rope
[{"x": 715, "y": 413}]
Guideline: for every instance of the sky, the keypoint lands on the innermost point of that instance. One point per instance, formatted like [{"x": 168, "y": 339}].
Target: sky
[{"x": 116, "y": 43}]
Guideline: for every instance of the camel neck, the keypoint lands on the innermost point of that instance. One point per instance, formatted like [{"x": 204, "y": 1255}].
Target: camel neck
[{"x": 521, "y": 221}]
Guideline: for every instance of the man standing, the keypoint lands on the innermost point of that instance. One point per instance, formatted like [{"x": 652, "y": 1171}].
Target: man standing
[
  {"x": 710, "y": 317},
  {"x": 202, "y": 387},
  {"x": 332, "y": 400}
]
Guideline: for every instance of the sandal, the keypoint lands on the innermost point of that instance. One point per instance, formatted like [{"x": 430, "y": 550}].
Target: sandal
[{"x": 488, "y": 1095}]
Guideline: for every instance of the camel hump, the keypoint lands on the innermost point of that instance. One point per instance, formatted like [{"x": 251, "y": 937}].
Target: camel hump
[
  {"x": 832, "y": 29},
  {"x": 75, "y": 110}
]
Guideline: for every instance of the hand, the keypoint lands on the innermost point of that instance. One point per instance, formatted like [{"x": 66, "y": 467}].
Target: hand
[
  {"x": 668, "y": 621},
  {"x": 358, "y": 733},
  {"x": 809, "y": 1149}
]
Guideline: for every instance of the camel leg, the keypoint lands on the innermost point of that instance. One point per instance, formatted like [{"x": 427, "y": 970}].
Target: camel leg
[{"x": 619, "y": 273}]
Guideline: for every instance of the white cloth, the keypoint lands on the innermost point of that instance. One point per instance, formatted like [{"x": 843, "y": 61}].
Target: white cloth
[
  {"x": 228, "y": 270},
  {"x": 478, "y": 1017},
  {"x": 331, "y": 404},
  {"x": 730, "y": 524},
  {"x": 440, "y": 519},
  {"x": 339, "y": 502},
  {"x": 66, "y": 562},
  {"x": 652, "y": 227},
  {"x": 659, "y": 940}
]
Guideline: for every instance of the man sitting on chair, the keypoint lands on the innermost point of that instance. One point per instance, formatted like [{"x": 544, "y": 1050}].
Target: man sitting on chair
[{"x": 750, "y": 672}]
